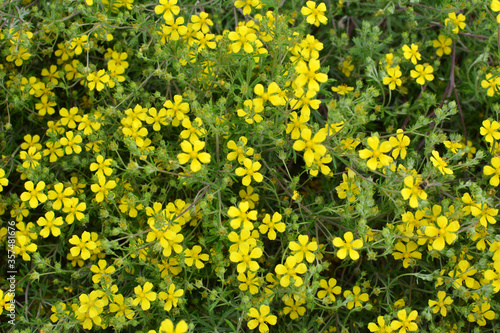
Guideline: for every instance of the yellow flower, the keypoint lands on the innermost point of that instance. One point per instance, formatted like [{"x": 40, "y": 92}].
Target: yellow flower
[
  {"x": 171, "y": 297},
  {"x": 24, "y": 246},
  {"x": 270, "y": 226},
  {"x": 248, "y": 195},
  {"x": 329, "y": 289},
  {"x": 405, "y": 322},
  {"x": 3, "y": 180},
  {"x": 422, "y": 73},
  {"x": 33, "y": 194},
  {"x": 239, "y": 150},
  {"x": 308, "y": 74},
  {"x": 376, "y": 156},
  {"x": 293, "y": 306},
  {"x": 442, "y": 44},
  {"x": 495, "y": 6},
  {"x": 74, "y": 209},
  {"x": 92, "y": 304},
  {"x": 242, "y": 37},
  {"x": 192, "y": 152},
  {"x": 82, "y": 246},
  {"x": 348, "y": 187},
  {"x": 346, "y": 67},
  {"x": 481, "y": 312},
  {"x": 45, "y": 106},
  {"x": 96, "y": 80},
  {"x": 358, "y": 297},
  {"x": 315, "y": 15},
  {"x": 399, "y": 143},
  {"x": 168, "y": 327},
  {"x": 52, "y": 74},
  {"x": 31, "y": 158},
  {"x": 290, "y": 270},
  {"x": 176, "y": 110},
  {"x": 201, "y": 22},
  {"x": 194, "y": 256},
  {"x": 168, "y": 8},
  {"x": 102, "y": 188},
  {"x": 244, "y": 255},
  {"x": 297, "y": 124},
  {"x": 348, "y": 246},
  {"x": 261, "y": 318},
  {"x": 413, "y": 191},
  {"x": 121, "y": 307},
  {"x": 446, "y": 231},
  {"x": 71, "y": 142},
  {"x": 249, "y": 171},
  {"x": 247, "y": 5},
  {"x": 494, "y": 170},
  {"x": 454, "y": 146},
  {"x": 406, "y": 252},
  {"x": 102, "y": 166},
  {"x": 157, "y": 118},
  {"x": 50, "y": 224},
  {"x": 440, "y": 163},
  {"x": 342, "y": 89},
  {"x": 18, "y": 54},
  {"x": 311, "y": 146},
  {"x": 490, "y": 130},
  {"x": 249, "y": 282},
  {"x": 441, "y": 304},
  {"x": 70, "y": 118},
  {"x": 78, "y": 43},
  {"x": 412, "y": 53},
  {"x": 487, "y": 214},
  {"x": 242, "y": 215},
  {"x": 102, "y": 271},
  {"x": 491, "y": 83},
  {"x": 458, "y": 21},
  {"x": 144, "y": 296},
  {"x": 174, "y": 28},
  {"x": 381, "y": 327},
  {"x": 272, "y": 94},
  {"x": 303, "y": 249},
  {"x": 393, "y": 78}
]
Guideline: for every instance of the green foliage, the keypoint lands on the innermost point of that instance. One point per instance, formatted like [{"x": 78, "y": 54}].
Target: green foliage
[{"x": 230, "y": 166}]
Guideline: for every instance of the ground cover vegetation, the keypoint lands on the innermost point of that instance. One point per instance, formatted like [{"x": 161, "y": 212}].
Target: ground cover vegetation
[{"x": 251, "y": 165}]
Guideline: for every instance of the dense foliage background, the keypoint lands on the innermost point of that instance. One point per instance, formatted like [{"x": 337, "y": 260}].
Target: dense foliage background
[{"x": 228, "y": 166}]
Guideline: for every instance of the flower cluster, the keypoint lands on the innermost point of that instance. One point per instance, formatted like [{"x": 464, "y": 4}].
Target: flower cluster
[{"x": 252, "y": 165}]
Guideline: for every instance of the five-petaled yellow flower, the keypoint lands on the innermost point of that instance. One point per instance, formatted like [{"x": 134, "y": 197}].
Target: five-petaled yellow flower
[
  {"x": 315, "y": 15},
  {"x": 377, "y": 155},
  {"x": 411, "y": 53},
  {"x": 393, "y": 78},
  {"x": 249, "y": 171},
  {"x": 422, "y": 73},
  {"x": 261, "y": 318},
  {"x": 458, "y": 21},
  {"x": 440, "y": 163},
  {"x": 96, "y": 80},
  {"x": 441, "y": 304},
  {"x": 413, "y": 190},
  {"x": 442, "y": 44},
  {"x": 406, "y": 321},
  {"x": 144, "y": 296},
  {"x": 443, "y": 232},
  {"x": 348, "y": 245},
  {"x": 192, "y": 152},
  {"x": 33, "y": 193}
]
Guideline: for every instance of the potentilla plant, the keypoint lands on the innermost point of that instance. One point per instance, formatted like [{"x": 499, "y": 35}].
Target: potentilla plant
[{"x": 260, "y": 165}]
